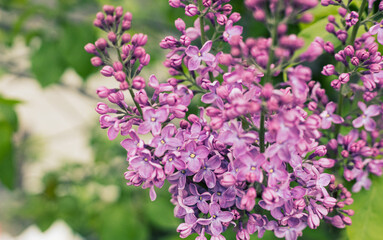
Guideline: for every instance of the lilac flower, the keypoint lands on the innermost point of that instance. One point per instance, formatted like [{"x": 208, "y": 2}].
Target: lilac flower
[
  {"x": 224, "y": 196},
  {"x": 328, "y": 116},
  {"x": 152, "y": 120},
  {"x": 194, "y": 156},
  {"x": 275, "y": 171},
  {"x": 142, "y": 163},
  {"x": 292, "y": 231},
  {"x": 194, "y": 32},
  {"x": 366, "y": 118},
  {"x": 207, "y": 173},
  {"x": 179, "y": 177},
  {"x": 251, "y": 170},
  {"x": 231, "y": 31},
  {"x": 377, "y": 29},
  {"x": 165, "y": 141},
  {"x": 259, "y": 223},
  {"x": 362, "y": 181},
  {"x": 217, "y": 218},
  {"x": 199, "y": 199},
  {"x": 172, "y": 161},
  {"x": 196, "y": 55},
  {"x": 132, "y": 145}
]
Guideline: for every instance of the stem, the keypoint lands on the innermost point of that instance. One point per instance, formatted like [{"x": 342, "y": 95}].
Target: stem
[
  {"x": 201, "y": 22},
  {"x": 135, "y": 103},
  {"x": 262, "y": 133},
  {"x": 350, "y": 41}
]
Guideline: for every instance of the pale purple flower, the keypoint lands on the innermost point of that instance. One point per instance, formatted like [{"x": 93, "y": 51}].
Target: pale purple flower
[
  {"x": 194, "y": 156},
  {"x": 132, "y": 145},
  {"x": 196, "y": 55},
  {"x": 362, "y": 181},
  {"x": 207, "y": 172},
  {"x": 217, "y": 218},
  {"x": 231, "y": 31},
  {"x": 197, "y": 198},
  {"x": 377, "y": 29},
  {"x": 172, "y": 161},
  {"x": 179, "y": 177},
  {"x": 142, "y": 163},
  {"x": 251, "y": 169},
  {"x": 328, "y": 116},
  {"x": 194, "y": 32},
  {"x": 165, "y": 141},
  {"x": 275, "y": 170},
  {"x": 152, "y": 120},
  {"x": 366, "y": 118},
  {"x": 292, "y": 231}
]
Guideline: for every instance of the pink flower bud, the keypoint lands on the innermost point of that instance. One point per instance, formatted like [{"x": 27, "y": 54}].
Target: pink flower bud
[
  {"x": 312, "y": 106},
  {"x": 216, "y": 123},
  {"x": 112, "y": 37},
  {"x": 332, "y": 144},
  {"x": 228, "y": 180},
  {"x": 124, "y": 85},
  {"x": 175, "y": 3},
  {"x": 355, "y": 61},
  {"x": 267, "y": 90},
  {"x": 206, "y": 3},
  {"x": 101, "y": 44},
  {"x": 349, "y": 51},
  {"x": 120, "y": 76},
  {"x": 330, "y": 28},
  {"x": 141, "y": 97},
  {"x": 329, "y": 47},
  {"x": 138, "y": 83},
  {"x": 325, "y": 162},
  {"x": 348, "y": 201},
  {"x": 107, "y": 71},
  {"x": 375, "y": 68},
  {"x": 102, "y": 108},
  {"x": 172, "y": 99},
  {"x": 90, "y": 48},
  {"x": 116, "y": 97},
  {"x": 221, "y": 19},
  {"x": 145, "y": 59},
  {"x": 180, "y": 25},
  {"x": 270, "y": 196},
  {"x": 125, "y": 38},
  {"x": 96, "y": 61},
  {"x": 342, "y": 11},
  {"x": 103, "y": 92},
  {"x": 225, "y": 59},
  {"x": 336, "y": 84},
  {"x": 362, "y": 55},
  {"x": 100, "y": 16},
  {"x": 344, "y": 78},
  {"x": 139, "y": 52},
  {"x": 191, "y": 10},
  {"x": 139, "y": 39},
  {"x": 108, "y": 9},
  {"x": 126, "y": 25},
  {"x": 235, "y": 17},
  {"x": 184, "y": 40},
  {"x": 117, "y": 66}
]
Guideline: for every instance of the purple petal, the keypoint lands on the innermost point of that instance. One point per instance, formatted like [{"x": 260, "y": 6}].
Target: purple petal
[
  {"x": 216, "y": 228},
  {"x": 214, "y": 209},
  {"x": 206, "y": 47},
  {"x": 374, "y": 29},
  {"x": 112, "y": 132},
  {"x": 160, "y": 150},
  {"x": 204, "y": 221},
  {"x": 357, "y": 123},
  {"x": 202, "y": 152},
  {"x": 203, "y": 206},
  {"x": 194, "y": 165},
  {"x": 194, "y": 63},
  {"x": 144, "y": 128},
  {"x": 330, "y": 107},
  {"x": 153, "y": 82},
  {"x": 236, "y": 30},
  {"x": 152, "y": 194},
  {"x": 190, "y": 201},
  {"x": 214, "y": 162},
  {"x": 208, "y": 57},
  {"x": 192, "y": 51},
  {"x": 380, "y": 36},
  {"x": 337, "y": 119},
  {"x": 326, "y": 123},
  {"x": 156, "y": 128},
  {"x": 362, "y": 106},
  {"x": 162, "y": 115},
  {"x": 210, "y": 179},
  {"x": 208, "y": 98},
  {"x": 225, "y": 216},
  {"x": 372, "y": 111},
  {"x": 369, "y": 124},
  {"x": 198, "y": 177}
]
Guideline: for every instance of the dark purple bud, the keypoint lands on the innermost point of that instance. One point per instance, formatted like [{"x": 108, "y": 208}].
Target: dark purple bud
[
  {"x": 191, "y": 10},
  {"x": 349, "y": 51},
  {"x": 331, "y": 19},
  {"x": 98, "y": 23},
  {"x": 96, "y": 61},
  {"x": 184, "y": 124},
  {"x": 355, "y": 61},
  {"x": 226, "y": 9},
  {"x": 101, "y": 44},
  {"x": 90, "y": 48},
  {"x": 329, "y": 47},
  {"x": 109, "y": 20}
]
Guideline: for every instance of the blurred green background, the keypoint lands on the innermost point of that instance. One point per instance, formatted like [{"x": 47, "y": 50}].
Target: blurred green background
[{"x": 55, "y": 162}]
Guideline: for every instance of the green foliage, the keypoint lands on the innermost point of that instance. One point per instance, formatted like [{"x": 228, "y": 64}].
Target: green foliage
[
  {"x": 47, "y": 64},
  {"x": 367, "y": 221},
  {"x": 8, "y": 125}
]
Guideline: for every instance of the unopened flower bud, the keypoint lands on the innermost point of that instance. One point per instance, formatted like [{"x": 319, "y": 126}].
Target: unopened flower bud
[
  {"x": 180, "y": 25},
  {"x": 101, "y": 44},
  {"x": 344, "y": 78},
  {"x": 96, "y": 61},
  {"x": 107, "y": 71},
  {"x": 125, "y": 38},
  {"x": 138, "y": 83},
  {"x": 191, "y": 10},
  {"x": 112, "y": 37},
  {"x": 328, "y": 70},
  {"x": 228, "y": 180},
  {"x": 139, "y": 39}
]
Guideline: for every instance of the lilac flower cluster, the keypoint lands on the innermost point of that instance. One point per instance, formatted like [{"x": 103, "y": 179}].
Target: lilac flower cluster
[{"x": 262, "y": 155}]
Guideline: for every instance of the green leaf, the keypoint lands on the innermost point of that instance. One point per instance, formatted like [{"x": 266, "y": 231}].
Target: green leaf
[
  {"x": 368, "y": 218},
  {"x": 47, "y": 63},
  {"x": 7, "y": 168},
  {"x": 161, "y": 213},
  {"x": 73, "y": 38},
  {"x": 7, "y": 113}
]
